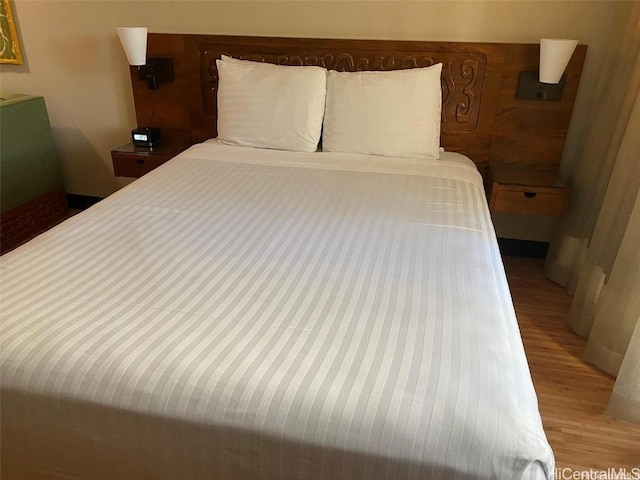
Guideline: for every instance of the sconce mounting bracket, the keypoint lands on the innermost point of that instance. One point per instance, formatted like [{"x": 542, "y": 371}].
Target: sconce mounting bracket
[
  {"x": 157, "y": 70},
  {"x": 530, "y": 88}
]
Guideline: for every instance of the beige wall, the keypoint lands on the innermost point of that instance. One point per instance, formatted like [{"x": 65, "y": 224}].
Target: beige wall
[{"x": 73, "y": 58}]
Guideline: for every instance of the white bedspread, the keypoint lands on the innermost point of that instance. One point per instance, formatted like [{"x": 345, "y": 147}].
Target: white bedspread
[{"x": 241, "y": 313}]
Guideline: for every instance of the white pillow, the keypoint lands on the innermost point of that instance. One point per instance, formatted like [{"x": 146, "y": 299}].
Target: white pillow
[
  {"x": 394, "y": 113},
  {"x": 270, "y": 106}
]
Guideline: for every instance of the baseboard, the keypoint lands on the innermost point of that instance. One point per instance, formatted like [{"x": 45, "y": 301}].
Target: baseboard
[
  {"x": 81, "y": 202},
  {"x": 523, "y": 248}
]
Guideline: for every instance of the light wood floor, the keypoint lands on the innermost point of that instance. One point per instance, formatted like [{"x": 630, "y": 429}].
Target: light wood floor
[{"x": 572, "y": 393}]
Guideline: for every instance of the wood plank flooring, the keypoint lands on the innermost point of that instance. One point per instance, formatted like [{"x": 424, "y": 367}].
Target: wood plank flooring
[{"x": 572, "y": 393}]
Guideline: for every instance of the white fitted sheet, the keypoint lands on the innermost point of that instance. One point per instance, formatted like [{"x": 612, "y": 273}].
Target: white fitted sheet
[{"x": 246, "y": 313}]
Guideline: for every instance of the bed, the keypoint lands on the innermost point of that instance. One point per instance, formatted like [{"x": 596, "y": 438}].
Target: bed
[
  {"x": 254, "y": 313},
  {"x": 356, "y": 324}
]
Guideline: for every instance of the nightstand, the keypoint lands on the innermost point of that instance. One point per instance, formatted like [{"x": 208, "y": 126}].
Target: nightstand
[
  {"x": 131, "y": 161},
  {"x": 525, "y": 190}
]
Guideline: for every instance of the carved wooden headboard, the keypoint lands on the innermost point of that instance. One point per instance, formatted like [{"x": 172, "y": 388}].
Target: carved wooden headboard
[{"x": 480, "y": 117}]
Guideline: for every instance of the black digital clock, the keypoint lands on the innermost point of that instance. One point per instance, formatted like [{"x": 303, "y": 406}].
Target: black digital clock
[{"x": 145, "y": 136}]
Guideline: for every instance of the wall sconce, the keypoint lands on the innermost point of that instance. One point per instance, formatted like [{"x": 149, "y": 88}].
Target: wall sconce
[
  {"x": 548, "y": 84},
  {"x": 154, "y": 70}
]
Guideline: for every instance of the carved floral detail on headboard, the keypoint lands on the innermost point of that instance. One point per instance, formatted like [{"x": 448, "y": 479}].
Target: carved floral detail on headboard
[{"x": 462, "y": 76}]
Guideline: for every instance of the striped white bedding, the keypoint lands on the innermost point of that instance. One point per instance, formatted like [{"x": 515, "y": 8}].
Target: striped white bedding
[{"x": 241, "y": 313}]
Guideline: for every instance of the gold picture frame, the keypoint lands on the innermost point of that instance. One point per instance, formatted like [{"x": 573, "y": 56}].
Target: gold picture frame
[{"x": 9, "y": 41}]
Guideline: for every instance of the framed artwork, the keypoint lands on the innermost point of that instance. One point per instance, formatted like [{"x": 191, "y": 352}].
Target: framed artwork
[{"x": 9, "y": 41}]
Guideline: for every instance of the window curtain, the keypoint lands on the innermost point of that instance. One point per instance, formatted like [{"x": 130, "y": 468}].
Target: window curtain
[{"x": 596, "y": 251}]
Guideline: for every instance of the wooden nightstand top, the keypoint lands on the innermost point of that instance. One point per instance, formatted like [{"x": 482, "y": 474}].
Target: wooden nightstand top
[
  {"x": 131, "y": 161},
  {"x": 527, "y": 177},
  {"x": 168, "y": 149}
]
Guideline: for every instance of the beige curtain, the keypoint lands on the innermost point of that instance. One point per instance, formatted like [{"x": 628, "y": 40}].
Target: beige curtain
[{"x": 596, "y": 253}]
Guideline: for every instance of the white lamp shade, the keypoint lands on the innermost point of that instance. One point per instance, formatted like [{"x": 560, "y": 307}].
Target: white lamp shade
[
  {"x": 134, "y": 42},
  {"x": 555, "y": 54}
]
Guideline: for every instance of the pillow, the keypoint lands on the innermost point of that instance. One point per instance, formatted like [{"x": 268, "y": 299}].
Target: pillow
[
  {"x": 270, "y": 106},
  {"x": 394, "y": 113}
]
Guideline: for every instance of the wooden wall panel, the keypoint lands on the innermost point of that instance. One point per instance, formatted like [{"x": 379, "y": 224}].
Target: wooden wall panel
[
  {"x": 171, "y": 110},
  {"x": 532, "y": 132}
]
